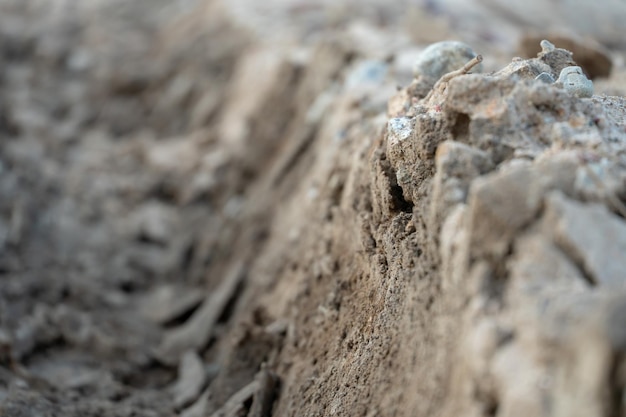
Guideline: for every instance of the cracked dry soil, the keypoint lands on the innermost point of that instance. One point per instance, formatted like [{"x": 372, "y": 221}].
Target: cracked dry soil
[{"x": 240, "y": 227}]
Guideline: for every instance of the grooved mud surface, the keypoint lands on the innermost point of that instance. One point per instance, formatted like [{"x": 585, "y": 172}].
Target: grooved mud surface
[{"x": 200, "y": 216}]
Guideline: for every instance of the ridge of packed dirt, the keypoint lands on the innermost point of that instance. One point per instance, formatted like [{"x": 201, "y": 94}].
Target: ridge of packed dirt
[{"x": 254, "y": 227}]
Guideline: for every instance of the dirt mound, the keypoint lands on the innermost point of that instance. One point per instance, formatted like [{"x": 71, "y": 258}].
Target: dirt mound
[{"x": 241, "y": 227}]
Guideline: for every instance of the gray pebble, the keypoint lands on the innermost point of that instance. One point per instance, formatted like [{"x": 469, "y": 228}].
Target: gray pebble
[
  {"x": 575, "y": 82},
  {"x": 443, "y": 57}
]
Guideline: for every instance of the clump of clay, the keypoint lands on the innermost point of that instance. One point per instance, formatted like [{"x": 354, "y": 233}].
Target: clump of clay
[
  {"x": 441, "y": 58},
  {"x": 575, "y": 82},
  {"x": 545, "y": 67},
  {"x": 592, "y": 57},
  {"x": 555, "y": 58},
  {"x": 549, "y": 62}
]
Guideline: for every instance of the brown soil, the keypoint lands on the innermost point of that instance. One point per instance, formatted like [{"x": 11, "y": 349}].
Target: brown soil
[{"x": 229, "y": 209}]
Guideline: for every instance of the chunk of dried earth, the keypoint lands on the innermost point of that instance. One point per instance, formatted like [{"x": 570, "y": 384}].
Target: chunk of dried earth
[{"x": 240, "y": 228}]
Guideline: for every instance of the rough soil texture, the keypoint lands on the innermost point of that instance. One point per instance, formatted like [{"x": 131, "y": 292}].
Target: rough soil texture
[{"x": 200, "y": 216}]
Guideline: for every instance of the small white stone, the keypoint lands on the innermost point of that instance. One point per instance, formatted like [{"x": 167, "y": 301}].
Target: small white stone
[
  {"x": 399, "y": 129},
  {"x": 575, "y": 82}
]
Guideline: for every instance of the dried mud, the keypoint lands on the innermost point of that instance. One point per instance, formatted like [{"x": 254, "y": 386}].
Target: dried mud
[{"x": 251, "y": 227}]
